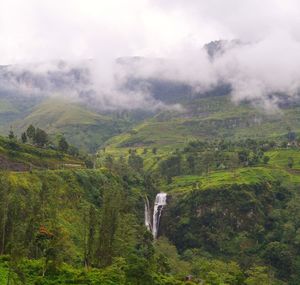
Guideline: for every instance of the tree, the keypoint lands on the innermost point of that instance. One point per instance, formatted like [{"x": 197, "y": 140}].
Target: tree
[
  {"x": 191, "y": 163},
  {"x": 30, "y": 132},
  {"x": 135, "y": 162},
  {"x": 291, "y": 136},
  {"x": 63, "y": 144},
  {"x": 40, "y": 138},
  {"x": 90, "y": 243},
  {"x": 108, "y": 225},
  {"x": 243, "y": 156},
  {"x": 278, "y": 255},
  {"x": 89, "y": 163},
  {"x": 109, "y": 161},
  {"x": 266, "y": 159},
  {"x": 12, "y": 144},
  {"x": 258, "y": 275},
  {"x": 73, "y": 150},
  {"x": 11, "y": 134},
  {"x": 171, "y": 166},
  {"x": 4, "y": 204},
  {"x": 24, "y": 137},
  {"x": 290, "y": 162}
]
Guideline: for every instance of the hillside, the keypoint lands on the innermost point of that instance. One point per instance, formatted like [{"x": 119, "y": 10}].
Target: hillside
[
  {"x": 65, "y": 219},
  {"x": 149, "y": 142},
  {"x": 206, "y": 118},
  {"x": 59, "y": 101},
  {"x": 234, "y": 201},
  {"x": 52, "y": 210},
  {"x": 230, "y": 172},
  {"x": 15, "y": 105},
  {"x": 226, "y": 219},
  {"x": 15, "y": 156},
  {"x": 230, "y": 224},
  {"x": 86, "y": 129},
  {"x": 89, "y": 125}
]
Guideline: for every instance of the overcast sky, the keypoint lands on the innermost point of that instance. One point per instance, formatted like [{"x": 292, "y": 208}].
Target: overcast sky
[
  {"x": 42, "y": 30},
  {"x": 38, "y": 30}
]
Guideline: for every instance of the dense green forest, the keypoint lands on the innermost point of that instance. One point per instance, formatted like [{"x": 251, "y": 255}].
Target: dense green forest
[
  {"x": 232, "y": 216},
  {"x": 149, "y": 142}
]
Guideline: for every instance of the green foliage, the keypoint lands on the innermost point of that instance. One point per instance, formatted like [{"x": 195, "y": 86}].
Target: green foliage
[
  {"x": 19, "y": 157},
  {"x": 232, "y": 218},
  {"x": 111, "y": 206},
  {"x": 74, "y": 217},
  {"x": 216, "y": 272},
  {"x": 278, "y": 255},
  {"x": 63, "y": 144},
  {"x": 266, "y": 159},
  {"x": 171, "y": 167},
  {"x": 89, "y": 163},
  {"x": 30, "y": 132},
  {"x": 209, "y": 118},
  {"x": 84, "y": 127},
  {"x": 290, "y": 162},
  {"x": 135, "y": 162},
  {"x": 258, "y": 275},
  {"x": 11, "y": 135},
  {"x": 40, "y": 138},
  {"x": 24, "y": 137}
]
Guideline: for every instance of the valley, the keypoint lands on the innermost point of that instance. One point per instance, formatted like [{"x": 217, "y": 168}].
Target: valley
[
  {"x": 226, "y": 218},
  {"x": 157, "y": 180}
]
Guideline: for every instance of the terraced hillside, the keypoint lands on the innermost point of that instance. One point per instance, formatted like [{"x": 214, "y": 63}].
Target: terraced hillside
[{"x": 206, "y": 118}]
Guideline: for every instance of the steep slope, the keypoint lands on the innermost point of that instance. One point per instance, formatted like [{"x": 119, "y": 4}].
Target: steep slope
[
  {"x": 234, "y": 200},
  {"x": 14, "y": 105},
  {"x": 83, "y": 128}
]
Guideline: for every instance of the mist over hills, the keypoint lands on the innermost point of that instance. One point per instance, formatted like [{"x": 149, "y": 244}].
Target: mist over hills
[
  {"x": 65, "y": 98},
  {"x": 150, "y": 142}
]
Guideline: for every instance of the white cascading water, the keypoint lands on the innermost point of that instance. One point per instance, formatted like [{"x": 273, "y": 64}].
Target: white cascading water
[
  {"x": 160, "y": 202},
  {"x": 147, "y": 214}
]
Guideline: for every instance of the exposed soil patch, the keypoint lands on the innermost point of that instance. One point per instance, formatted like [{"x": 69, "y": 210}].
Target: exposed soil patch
[{"x": 6, "y": 164}]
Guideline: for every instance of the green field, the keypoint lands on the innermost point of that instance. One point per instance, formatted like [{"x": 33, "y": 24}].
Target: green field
[
  {"x": 223, "y": 179},
  {"x": 280, "y": 158}
]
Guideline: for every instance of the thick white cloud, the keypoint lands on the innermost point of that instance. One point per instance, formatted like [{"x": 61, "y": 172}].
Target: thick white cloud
[{"x": 43, "y": 30}]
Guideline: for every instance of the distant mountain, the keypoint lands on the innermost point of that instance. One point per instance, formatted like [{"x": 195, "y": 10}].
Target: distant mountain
[
  {"x": 219, "y": 47},
  {"x": 44, "y": 77},
  {"x": 60, "y": 98}
]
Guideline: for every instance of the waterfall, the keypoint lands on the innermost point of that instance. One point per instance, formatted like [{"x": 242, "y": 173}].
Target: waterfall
[
  {"x": 147, "y": 214},
  {"x": 160, "y": 202}
]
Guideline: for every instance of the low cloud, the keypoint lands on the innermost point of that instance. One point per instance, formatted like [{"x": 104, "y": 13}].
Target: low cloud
[
  {"x": 262, "y": 70},
  {"x": 260, "y": 57}
]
